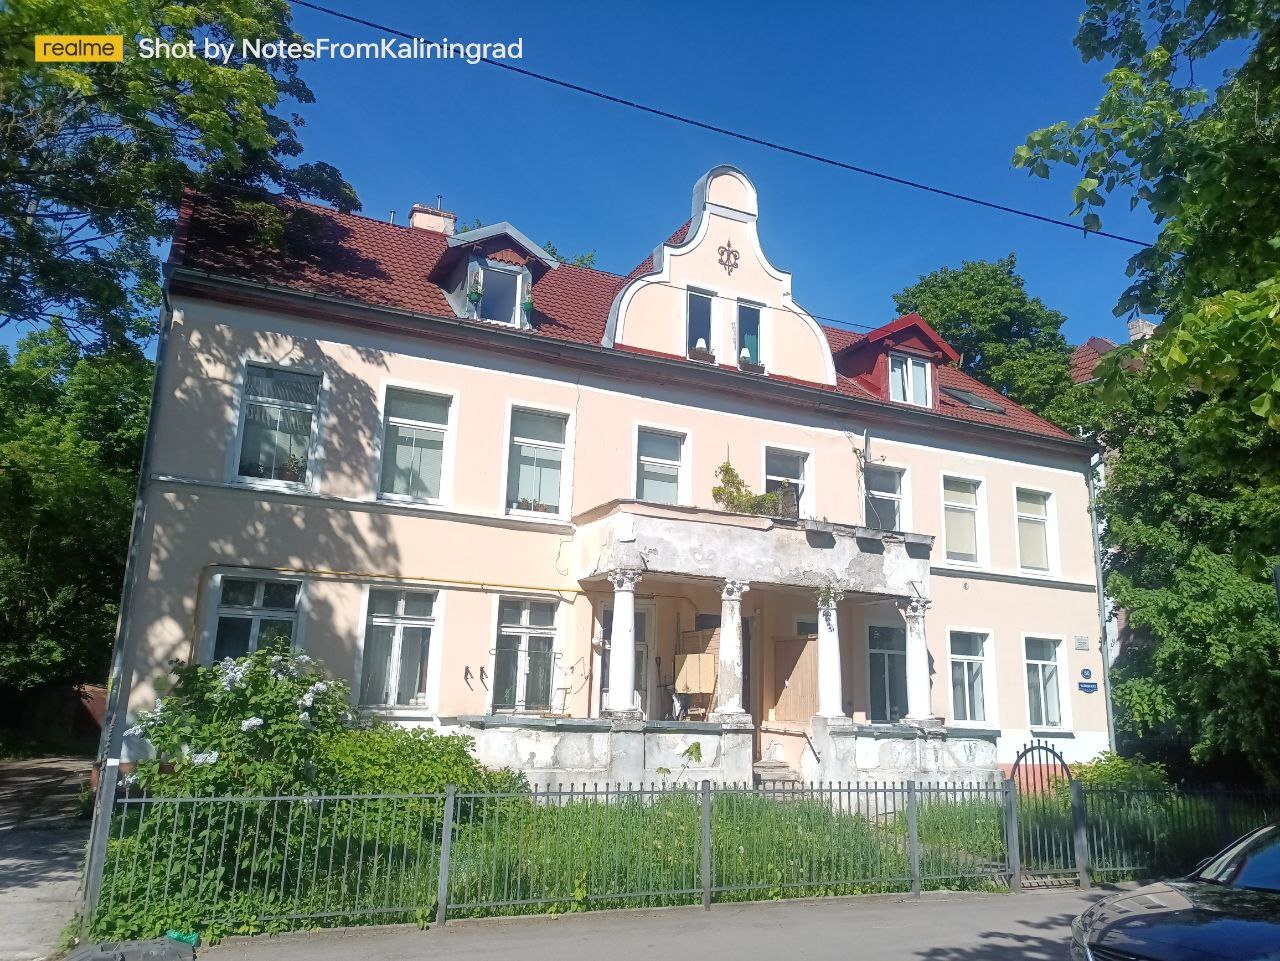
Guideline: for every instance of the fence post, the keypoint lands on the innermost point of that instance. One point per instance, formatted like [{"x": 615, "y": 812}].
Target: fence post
[
  {"x": 1012, "y": 850},
  {"x": 706, "y": 845},
  {"x": 913, "y": 838},
  {"x": 446, "y": 842},
  {"x": 1224, "y": 816},
  {"x": 96, "y": 862},
  {"x": 1080, "y": 831}
]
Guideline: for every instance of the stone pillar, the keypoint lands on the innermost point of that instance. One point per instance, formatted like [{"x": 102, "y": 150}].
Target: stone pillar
[
  {"x": 729, "y": 669},
  {"x": 620, "y": 702},
  {"x": 919, "y": 706},
  {"x": 830, "y": 679}
]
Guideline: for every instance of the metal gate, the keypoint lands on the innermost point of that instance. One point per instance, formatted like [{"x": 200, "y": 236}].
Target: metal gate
[{"x": 1046, "y": 839}]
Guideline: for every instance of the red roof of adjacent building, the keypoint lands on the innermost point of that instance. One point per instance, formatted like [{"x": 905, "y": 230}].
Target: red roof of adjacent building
[
  {"x": 1085, "y": 357},
  {"x": 384, "y": 265}
]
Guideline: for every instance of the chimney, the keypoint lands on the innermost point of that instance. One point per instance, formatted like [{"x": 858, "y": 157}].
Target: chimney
[
  {"x": 433, "y": 218},
  {"x": 1140, "y": 329}
]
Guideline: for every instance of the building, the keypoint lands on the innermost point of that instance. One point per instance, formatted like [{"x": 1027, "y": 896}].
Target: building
[{"x": 477, "y": 483}]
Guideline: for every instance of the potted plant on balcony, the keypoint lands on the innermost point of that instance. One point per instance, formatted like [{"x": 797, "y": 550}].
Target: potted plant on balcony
[
  {"x": 701, "y": 352},
  {"x": 476, "y": 293},
  {"x": 527, "y": 304},
  {"x": 746, "y": 363}
]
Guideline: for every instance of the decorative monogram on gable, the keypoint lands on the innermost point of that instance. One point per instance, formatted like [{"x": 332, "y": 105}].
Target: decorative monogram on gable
[{"x": 728, "y": 257}]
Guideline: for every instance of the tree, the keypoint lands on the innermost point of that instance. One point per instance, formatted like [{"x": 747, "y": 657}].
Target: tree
[
  {"x": 1006, "y": 338},
  {"x": 71, "y": 432},
  {"x": 1205, "y": 161},
  {"x": 94, "y": 156}
]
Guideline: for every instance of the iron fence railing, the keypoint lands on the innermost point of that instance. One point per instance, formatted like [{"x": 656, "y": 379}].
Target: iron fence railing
[{"x": 230, "y": 864}]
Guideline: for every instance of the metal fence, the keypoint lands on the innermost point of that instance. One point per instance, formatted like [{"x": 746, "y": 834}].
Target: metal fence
[{"x": 245, "y": 864}]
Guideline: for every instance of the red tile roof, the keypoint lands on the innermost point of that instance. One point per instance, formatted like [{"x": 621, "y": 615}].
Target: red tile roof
[
  {"x": 646, "y": 266},
  {"x": 359, "y": 259},
  {"x": 1085, "y": 357}
]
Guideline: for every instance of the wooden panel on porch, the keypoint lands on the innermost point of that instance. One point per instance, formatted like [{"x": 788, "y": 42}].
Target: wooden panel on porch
[
  {"x": 696, "y": 664},
  {"x": 795, "y": 677}
]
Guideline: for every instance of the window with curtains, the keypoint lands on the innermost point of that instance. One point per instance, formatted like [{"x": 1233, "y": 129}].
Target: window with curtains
[
  {"x": 968, "y": 698},
  {"x": 1033, "y": 530},
  {"x": 960, "y": 518},
  {"x": 279, "y": 420},
  {"x": 749, "y": 334},
  {"x": 523, "y": 655},
  {"x": 883, "y": 503},
  {"x": 413, "y": 436},
  {"x": 699, "y": 332},
  {"x": 909, "y": 380},
  {"x": 1043, "y": 696},
  {"x": 658, "y": 463},
  {"x": 887, "y": 661},
  {"x": 642, "y": 658},
  {"x": 397, "y": 644},
  {"x": 535, "y": 462},
  {"x": 253, "y": 613}
]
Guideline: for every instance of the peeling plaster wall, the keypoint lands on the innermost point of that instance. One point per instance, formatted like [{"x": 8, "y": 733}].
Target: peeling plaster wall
[{"x": 857, "y": 753}]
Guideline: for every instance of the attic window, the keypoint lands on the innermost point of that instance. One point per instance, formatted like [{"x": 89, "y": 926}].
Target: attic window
[
  {"x": 970, "y": 399},
  {"x": 909, "y": 380},
  {"x": 499, "y": 294}
]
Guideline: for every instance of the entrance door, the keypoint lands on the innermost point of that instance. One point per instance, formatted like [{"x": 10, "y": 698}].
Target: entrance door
[{"x": 643, "y": 625}]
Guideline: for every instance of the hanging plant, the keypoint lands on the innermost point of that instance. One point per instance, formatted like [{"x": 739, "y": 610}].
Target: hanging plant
[
  {"x": 476, "y": 293},
  {"x": 527, "y": 304}
]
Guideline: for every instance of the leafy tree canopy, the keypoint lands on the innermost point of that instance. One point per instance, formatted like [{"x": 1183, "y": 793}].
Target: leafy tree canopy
[
  {"x": 71, "y": 432},
  {"x": 94, "y": 156},
  {"x": 1204, "y": 158},
  {"x": 1006, "y": 338}
]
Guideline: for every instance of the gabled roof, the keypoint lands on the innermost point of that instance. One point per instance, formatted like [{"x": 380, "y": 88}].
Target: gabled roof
[
  {"x": 372, "y": 262},
  {"x": 1085, "y": 357},
  {"x": 504, "y": 229},
  {"x": 911, "y": 321}
]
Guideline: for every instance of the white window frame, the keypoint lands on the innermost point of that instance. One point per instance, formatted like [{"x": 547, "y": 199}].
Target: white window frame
[
  {"x": 904, "y": 492},
  {"x": 522, "y": 660},
  {"x": 912, "y": 361},
  {"x": 712, "y": 297},
  {"x": 684, "y": 480},
  {"x": 797, "y": 618},
  {"x": 1050, "y": 531},
  {"x": 980, "y": 520},
  {"x": 566, "y": 461},
  {"x": 649, "y": 706},
  {"x": 208, "y": 634},
  {"x": 477, "y": 271},
  {"x": 1064, "y": 680},
  {"x": 885, "y": 625},
  {"x": 990, "y": 682},
  {"x": 808, "y": 496},
  {"x": 240, "y": 411},
  {"x": 737, "y": 331},
  {"x": 447, "y": 454},
  {"x": 432, "y": 696}
]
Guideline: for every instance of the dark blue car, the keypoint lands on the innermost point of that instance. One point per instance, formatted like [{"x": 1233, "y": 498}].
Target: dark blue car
[{"x": 1228, "y": 909}]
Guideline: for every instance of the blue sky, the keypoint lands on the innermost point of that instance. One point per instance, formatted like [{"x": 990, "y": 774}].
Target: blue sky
[{"x": 937, "y": 92}]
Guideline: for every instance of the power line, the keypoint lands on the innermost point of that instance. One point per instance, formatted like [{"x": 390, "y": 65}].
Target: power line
[{"x": 738, "y": 135}]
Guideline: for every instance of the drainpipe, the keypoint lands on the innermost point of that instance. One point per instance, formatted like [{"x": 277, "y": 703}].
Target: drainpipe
[{"x": 1095, "y": 464}]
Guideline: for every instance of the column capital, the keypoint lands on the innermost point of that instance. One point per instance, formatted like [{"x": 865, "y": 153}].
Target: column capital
[
  {"x": 624, "y": 579},
  {"x": 734, "y": 589},
  {"x": 913, "y": 606}
]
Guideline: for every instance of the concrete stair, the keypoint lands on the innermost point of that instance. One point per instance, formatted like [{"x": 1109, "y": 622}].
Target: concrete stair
[{"x": 774, "y": 774}]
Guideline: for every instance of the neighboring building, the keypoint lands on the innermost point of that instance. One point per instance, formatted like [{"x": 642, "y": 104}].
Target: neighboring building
[{"x": 477, "y": 483}]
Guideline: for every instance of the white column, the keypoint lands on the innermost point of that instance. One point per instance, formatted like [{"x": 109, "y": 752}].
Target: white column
[
  {"x": 622, "y": 645},
  {"x": 830, "y": 679},
  {"x": 919, "y": 707},
  {"x": 729, "y": 669}
]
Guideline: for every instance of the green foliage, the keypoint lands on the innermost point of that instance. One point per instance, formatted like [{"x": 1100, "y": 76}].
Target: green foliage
[
  {"x": 733, "y": 494},
  {"x": 94, "y": 156},
  {"x": 1006, "y": 338},
  {"x": 71, "y": 432},
  {"x": 388, "y": 759},
  {"x": 1110, "y": 770},
  {"x": 1205, "y": 161}
]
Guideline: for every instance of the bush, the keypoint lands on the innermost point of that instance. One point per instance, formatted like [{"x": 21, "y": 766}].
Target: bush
[
  {"x": 385, "y": 759},
  {"x": 1109, "y": 769}
]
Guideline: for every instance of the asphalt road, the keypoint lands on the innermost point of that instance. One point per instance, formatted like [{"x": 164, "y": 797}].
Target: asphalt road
[{"x": 959, "y": 927}]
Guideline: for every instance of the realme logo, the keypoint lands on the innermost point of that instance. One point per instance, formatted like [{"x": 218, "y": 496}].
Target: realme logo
[{"x": 52, "y": 48}]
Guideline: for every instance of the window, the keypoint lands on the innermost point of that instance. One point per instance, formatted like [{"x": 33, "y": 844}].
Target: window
[
  {"x": 968, "y": 701},
  {"x": 960, "y": 520},
  {"x": 536, "y": 461},
  {"x": 501, "y": 295},
  {"x": 748, "y": 334},
  {"x": 279, "y": 421},
  {"x": 658, "y": 457},
  {"x": 883, "y": 507},
  {"x": 397, "y": 641},
  {"x": 806, "y": 626},
  {"x": 254, "y": 613},
  {"x": 699, "y": 322},
  {"x": 1042, "y": 682},
  {"x": 909, "y": 380},
  {"x": 783, "y": 468},
  {"x": 887, "y": 655},
  {"x": 413, "y": 444},
  {"x": 1033, "y": 529},
  {"x": 523, "y": 656},
  {"x": 642, "y": 658}
]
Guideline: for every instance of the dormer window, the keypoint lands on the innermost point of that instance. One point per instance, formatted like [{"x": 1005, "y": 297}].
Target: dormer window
[
  {"x": 699, "y": 338},
  {"x": 495, "y": 291},
  {"x": 749, "y": 338},
  {"x": 909, "y": 380}
]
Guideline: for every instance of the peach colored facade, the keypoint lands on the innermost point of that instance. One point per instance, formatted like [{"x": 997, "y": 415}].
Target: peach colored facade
[{"x": 338, "y": 537}]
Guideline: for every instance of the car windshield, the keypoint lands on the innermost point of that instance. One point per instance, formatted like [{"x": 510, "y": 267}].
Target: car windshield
[{"x": 1253, "y": 862}]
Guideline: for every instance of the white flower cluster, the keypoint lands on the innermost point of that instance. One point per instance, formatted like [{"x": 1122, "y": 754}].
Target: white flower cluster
[
  {"x": 252, "y": 724},
  {"x": 206, "y": 757},
  {"x": 304, "y": 719},
  {"x": 232, "y": 673},
  {"x": 308, "y": 698},
  {"x": 144, "y": 720}
]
